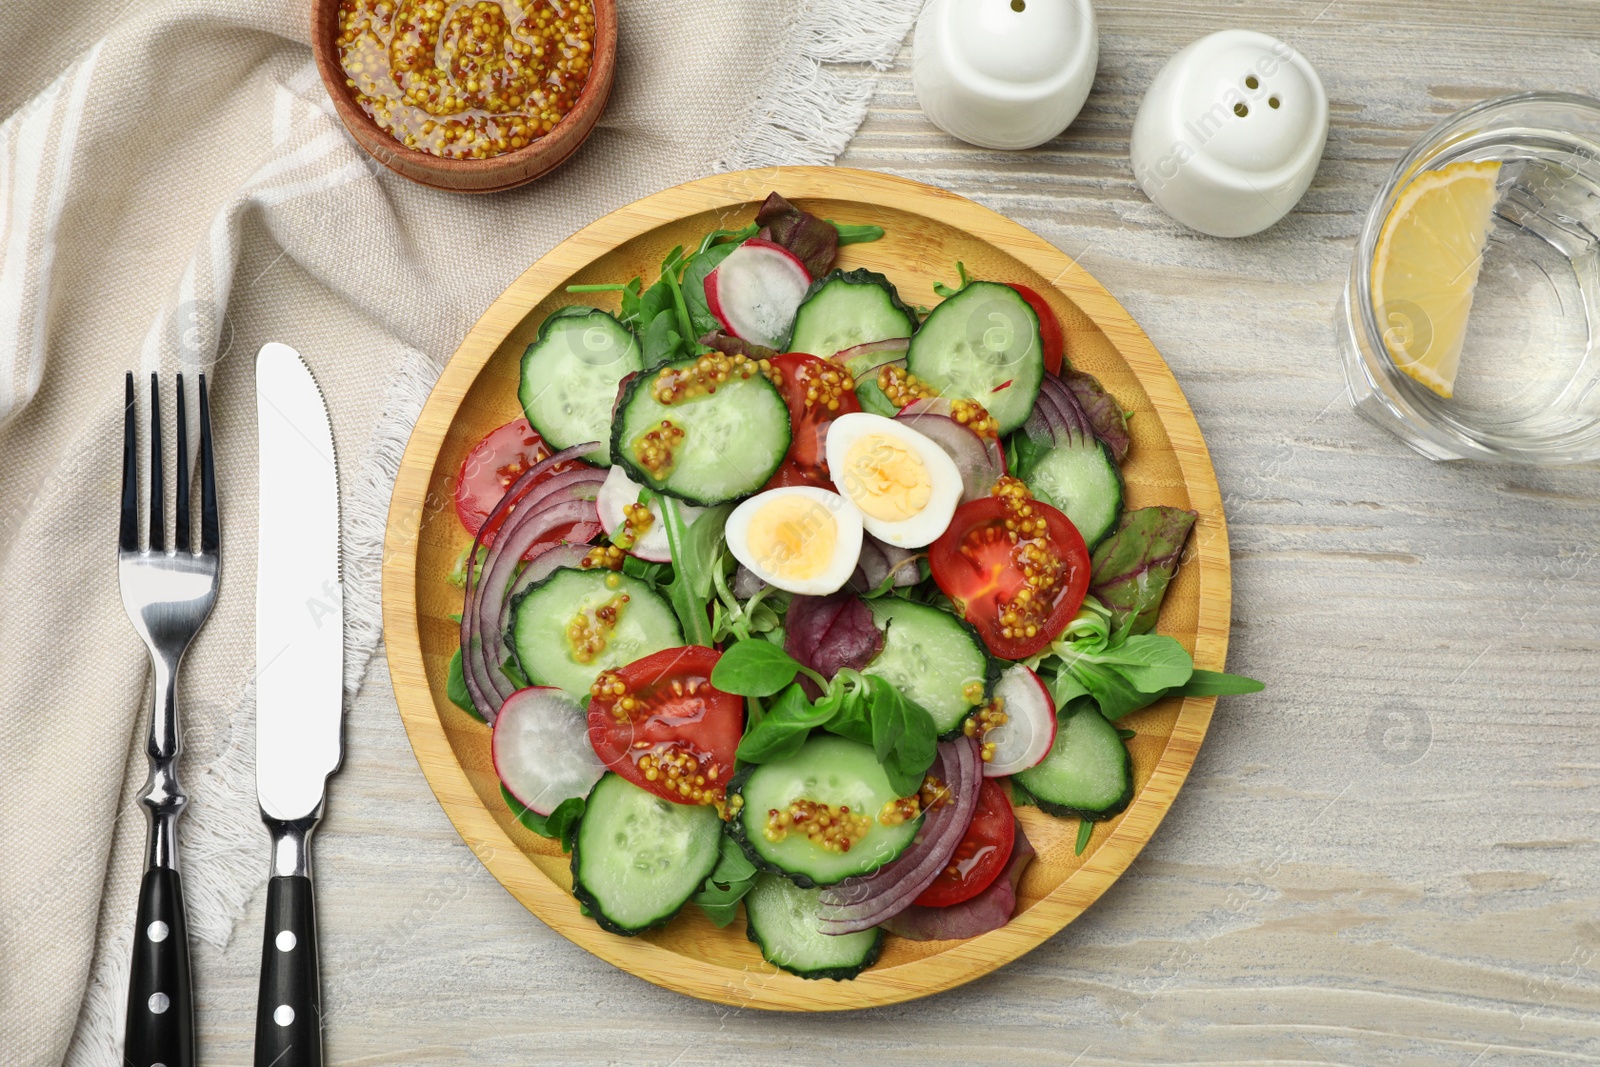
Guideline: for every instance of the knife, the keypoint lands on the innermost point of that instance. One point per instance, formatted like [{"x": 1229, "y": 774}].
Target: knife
[{"x": 299, "y": 689}]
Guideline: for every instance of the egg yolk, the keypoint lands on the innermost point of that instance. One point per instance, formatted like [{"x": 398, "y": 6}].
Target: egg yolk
[
  {"x": 885, "y": 478},
  {"x": 793, "y": 537}
]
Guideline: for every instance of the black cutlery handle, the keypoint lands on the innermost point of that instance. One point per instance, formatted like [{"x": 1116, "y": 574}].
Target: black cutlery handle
[
  {"x": 160, "y": 1030},
  {"x": 289, "y": 1009}
]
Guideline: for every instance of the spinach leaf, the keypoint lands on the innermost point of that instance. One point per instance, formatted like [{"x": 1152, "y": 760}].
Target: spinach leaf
[
  {"x": 455, "y": 687},
  {"x": 754, "y": 669},
  {"x": 1131, "y": 569},
  {"x": 561, "y": 824},
  {"x": 702, "y": 263},
  {"x": 783, "y": 728},
  {"x": 727, "y": 884},
  {"x": 851, "y": 233},
  {"x": 660, "y": 343},
  {"x": 1020, "y": 797},
  {"x": 1150, "y": 661},
  {"x": 903, "y": 736},
  {"x": 1214, "y": 683},
  {"x": 513, "y": 672},
  {"x": 696, "y": 548}
]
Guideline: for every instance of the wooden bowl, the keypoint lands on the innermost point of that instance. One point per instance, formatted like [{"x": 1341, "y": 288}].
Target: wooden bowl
[
  {"x": 504, "y": 171},
  {"x": 928, "y": 230}
]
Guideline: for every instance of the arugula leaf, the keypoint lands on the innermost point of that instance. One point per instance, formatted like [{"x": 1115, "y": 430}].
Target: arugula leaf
[
  {"x": 1127, "y": 735},
  {"x": 754, "y": 669},
  {"x": 783, "y": 728},
  {"x": 948, "y": 291},
  {"x": 1085, "y": 831},
  {"x": 513, "y": 672},
  {"x": 455, "y": 687},
  {"x": 1131, "y": 569},
  {"x": 561, "y": 824},
  {"x": 696, "y": 548},
  {"x": 645, "y": 571},
  {"x": 851, "y": 233},
  {"x": 727, "y": 884},
  {"x": 458, "y": 573},
  {"x": 1020, "y": 797},
  {"x": 731, "y": 237}
]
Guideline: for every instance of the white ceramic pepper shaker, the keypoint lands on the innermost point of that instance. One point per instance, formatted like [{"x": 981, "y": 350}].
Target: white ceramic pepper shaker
[
  {"x": 1005, "y": 73},
  {"x": 1230, "y": 133}
]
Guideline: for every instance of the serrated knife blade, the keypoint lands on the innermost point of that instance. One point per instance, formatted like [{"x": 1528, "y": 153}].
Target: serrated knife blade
[
  {"x": 299, "y": 608},
  {"x": 299, "y": 689}
]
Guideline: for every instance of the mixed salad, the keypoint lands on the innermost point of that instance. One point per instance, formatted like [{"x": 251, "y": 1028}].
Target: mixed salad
[{"x": 783, "y": 593}]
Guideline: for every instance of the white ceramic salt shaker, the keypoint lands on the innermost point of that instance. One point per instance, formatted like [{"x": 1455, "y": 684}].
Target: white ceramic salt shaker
[
  {"x": 1005, "y": 73},
  {"x": 1230, "y": 133}
]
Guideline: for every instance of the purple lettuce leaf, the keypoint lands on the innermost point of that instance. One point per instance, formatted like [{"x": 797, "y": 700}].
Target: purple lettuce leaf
[
  {"x": 827, "y": 633},
  {"x": 1131, "y": 568},
  {"x": 1105, "y": 414},
  {"x": 989, "y": 910},
  {"x": 729, "y": 345},
  {"x": 814, "y": 241}
]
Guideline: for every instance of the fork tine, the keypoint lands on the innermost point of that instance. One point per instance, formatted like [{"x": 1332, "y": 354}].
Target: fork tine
[
  {"x": 128, "y": 539},
  {"x": 158, "y": 496},
  {"x": 181, "y": 528},
  {"x": 210, "y": 536}
]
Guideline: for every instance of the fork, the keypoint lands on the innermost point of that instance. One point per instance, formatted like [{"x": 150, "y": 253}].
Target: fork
[{"x": 168, "y": 595}]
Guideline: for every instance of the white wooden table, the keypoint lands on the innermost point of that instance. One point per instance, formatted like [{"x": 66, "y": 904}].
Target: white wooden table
[{"x": 1391, "y": 856}]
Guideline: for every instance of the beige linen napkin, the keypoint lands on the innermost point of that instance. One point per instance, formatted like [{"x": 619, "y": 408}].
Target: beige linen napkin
[{"x": 174, "y": 197}]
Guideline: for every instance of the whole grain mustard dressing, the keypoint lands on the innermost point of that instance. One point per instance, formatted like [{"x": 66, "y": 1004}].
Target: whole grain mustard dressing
[{"x": 466, "y": 79}]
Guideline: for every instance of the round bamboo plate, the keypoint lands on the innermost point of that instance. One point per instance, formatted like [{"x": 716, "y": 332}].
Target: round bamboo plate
[{"x": 928, "y": 230}]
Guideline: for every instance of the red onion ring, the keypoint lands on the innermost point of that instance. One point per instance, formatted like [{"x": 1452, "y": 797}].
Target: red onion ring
[
  {"x": 857, "y": 904},
  {"x": 516, "y": 519}
]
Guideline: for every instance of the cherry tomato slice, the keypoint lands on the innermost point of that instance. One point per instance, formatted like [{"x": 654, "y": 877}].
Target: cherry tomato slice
[
  {"x": 810, "y": 386},
  {"x": 493, "y": 465},
  {"x": 980, "y": 562},
  {"x": 1051, "y": 341},
  {"x": 658, "y": 723},
  {"x": 983, "y": 853}
]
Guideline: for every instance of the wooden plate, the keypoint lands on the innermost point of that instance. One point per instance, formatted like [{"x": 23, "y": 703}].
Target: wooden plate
[{"x": 928, "y": 231}]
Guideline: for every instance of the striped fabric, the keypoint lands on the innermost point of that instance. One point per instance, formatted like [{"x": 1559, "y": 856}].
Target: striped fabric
[{"x": 177, "y": 196}]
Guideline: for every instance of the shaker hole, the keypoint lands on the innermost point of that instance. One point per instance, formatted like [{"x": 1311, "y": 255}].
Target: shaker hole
[
  {"x": 1252, "y": 82},
  {"x": 1274, "y": 102},
  {"x": 1240, "y": 110},
  {"x": 1019, "y": 5}
]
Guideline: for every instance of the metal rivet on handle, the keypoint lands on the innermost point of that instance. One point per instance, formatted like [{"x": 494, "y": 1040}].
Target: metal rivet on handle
[
  {"x": 286, "y": 941},
  {"x": 283, "y": 1015},
  {"x": 159, "y": 1002},
  {"x": 156, "y": 931}
]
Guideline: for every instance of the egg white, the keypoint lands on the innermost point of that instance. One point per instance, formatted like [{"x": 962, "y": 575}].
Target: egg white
[
  {"x": 924, "y": 527},
  {"x": 841, "y": 563}
]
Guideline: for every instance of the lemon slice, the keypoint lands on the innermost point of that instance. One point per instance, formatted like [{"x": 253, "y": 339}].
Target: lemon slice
[{"x": 1426, "y": 267}]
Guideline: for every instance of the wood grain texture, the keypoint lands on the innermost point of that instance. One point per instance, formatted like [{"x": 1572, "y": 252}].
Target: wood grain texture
[
  {"x": 928, "y": 230},
  {"x": 1389, "y": 857}
]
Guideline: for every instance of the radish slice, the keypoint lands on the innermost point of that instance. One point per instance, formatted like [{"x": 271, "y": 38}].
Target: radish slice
[
  {"x": 1024, "y": 739},
  {"x": 980, "y": 465},
  {"x": 541, "y": 748},
  {"x": 756, "y": 291},
  {"x": 617, "y": 492}
]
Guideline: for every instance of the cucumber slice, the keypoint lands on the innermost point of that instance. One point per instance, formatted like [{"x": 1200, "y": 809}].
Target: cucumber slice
[
  {"x": 637, "y": 858},
  {"x": 977, "y": 341},
  {"x": 570, "y": 376},
  {"x": 733, "y": 439},
  {"x": 843, "y": 310},
  {"x": 1084, "y": 484},
  {"x": 934, "y": 658},
  {"x": 542, "y": 614},
  {"x": 1087, "y": 772},
  {"x": 782, "y": 921},
  {"x": 829, "y": 770}
]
